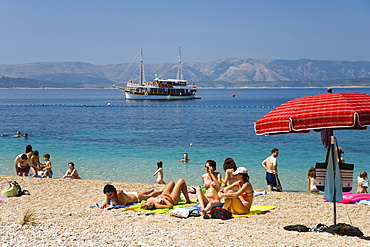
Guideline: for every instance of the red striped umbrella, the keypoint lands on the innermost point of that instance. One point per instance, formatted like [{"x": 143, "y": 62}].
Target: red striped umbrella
[
  {"x": 316, "y": 112},
  {"x": 330, "y": 111}
]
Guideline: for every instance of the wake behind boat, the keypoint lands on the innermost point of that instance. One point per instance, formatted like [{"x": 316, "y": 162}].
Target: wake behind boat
[{"x": 160, "y": 89}]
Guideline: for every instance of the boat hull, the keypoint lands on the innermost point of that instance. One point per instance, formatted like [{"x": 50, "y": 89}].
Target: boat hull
[{"x": 149, "y": 96}]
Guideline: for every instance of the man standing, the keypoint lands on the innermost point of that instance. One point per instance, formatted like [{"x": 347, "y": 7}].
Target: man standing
[{"x": 270, "y": 164}]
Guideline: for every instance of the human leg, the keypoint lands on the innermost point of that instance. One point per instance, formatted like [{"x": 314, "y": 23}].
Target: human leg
[
  {"x": 203, "y": 201},
  {"x": 235, "y": 206},
  {"x": 180, "y": 186},
  {"x": 144, "y": 195},
  {"x": 169, "y": 188}
]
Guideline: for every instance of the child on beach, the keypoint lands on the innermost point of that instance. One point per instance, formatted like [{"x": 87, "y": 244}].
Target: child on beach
[
  {"x": 123, "y": 198},
  {"x": 362, "y": 182},
  {"x": 311, "y": 175},
  {"x": 47, "y": 170},
  {"x": 71, "y": 172},
  {"x": 35, "y": 163},
  {"x": 159, "y": 172}
]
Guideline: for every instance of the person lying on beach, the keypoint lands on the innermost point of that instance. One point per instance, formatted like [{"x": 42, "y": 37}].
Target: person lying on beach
[
  {"x": 71, "y": 172},
  {"x": 123, "y": 198},
  {"x": 169, "y": 197},
  {"x": 239, "y": 195},
  {"x": 212, "y": 184},
  {"x": 229, "y": 167}
]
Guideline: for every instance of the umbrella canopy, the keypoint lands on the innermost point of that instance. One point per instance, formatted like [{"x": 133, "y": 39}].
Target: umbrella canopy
[{"x": 316, "y": 112}]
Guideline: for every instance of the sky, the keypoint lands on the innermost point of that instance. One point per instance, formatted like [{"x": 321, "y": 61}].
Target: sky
[{"x": 113, "y": 31}]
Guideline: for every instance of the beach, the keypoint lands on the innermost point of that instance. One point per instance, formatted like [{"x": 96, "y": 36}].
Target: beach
[{"x": 63, "y": 218}]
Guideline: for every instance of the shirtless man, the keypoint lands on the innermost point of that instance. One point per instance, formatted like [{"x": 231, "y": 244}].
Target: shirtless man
[
  {"x": 22, "y": 165},
  {"x": 270, "y": 164},
  {"x": 122, "y": 198}
]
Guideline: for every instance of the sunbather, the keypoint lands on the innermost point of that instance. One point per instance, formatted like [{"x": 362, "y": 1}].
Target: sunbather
[
  {"x": 122, "y": 198},
  {"x": 169, "y": 197},
  {"x": 212, "y": 183},
  {"x": 239, "y": 201}
]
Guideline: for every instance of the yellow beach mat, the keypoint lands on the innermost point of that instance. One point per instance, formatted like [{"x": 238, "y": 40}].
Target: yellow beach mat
[
  {"x": 180, "y": 204},
  {"x": 255, "y": 210}
]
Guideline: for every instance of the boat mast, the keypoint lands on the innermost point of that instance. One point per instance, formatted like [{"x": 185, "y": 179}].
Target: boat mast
[
  {"x": 179, "y": 71},
  {"x": 142, "y": 74}
]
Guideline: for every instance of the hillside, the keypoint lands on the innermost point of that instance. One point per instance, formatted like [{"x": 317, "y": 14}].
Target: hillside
[{"x": 223, "y": 73}]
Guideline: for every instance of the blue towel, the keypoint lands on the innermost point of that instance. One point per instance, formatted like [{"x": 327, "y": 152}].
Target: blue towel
[{"x": 112, "y": 206}]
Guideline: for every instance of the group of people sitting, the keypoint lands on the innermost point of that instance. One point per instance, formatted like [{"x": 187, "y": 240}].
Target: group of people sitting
[
  {"x": 235, "y": 190},
  {"x": 29, "y": 162}
]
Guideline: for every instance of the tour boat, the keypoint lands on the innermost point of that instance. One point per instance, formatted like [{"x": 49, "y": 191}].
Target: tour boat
[{"x": 160, "y": 89}]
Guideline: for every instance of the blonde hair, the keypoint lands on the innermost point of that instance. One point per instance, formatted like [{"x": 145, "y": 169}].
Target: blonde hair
[{"x": 311, "y": 172}]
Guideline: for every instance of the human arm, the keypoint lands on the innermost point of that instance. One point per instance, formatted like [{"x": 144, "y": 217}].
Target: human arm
[
  {"x": 159, "y": 169},
  {"x": 215, "y": 177},
  {"x": 244, "y": 189}
]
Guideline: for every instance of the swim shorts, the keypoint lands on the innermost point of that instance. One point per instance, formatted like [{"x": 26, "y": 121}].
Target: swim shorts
[
  {"x": 271, "y": 179},
  {"x": 24, "y": 169}
]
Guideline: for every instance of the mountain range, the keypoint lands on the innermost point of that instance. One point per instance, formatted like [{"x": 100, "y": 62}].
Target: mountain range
[{"x": 232, "y": 72}]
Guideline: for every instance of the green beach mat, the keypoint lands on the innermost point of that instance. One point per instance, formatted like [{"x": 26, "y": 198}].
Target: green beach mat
[{"x": 180, "y": 204}]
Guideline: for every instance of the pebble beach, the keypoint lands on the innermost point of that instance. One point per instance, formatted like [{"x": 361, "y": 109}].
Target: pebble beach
[{"x": 62, "y": 217}]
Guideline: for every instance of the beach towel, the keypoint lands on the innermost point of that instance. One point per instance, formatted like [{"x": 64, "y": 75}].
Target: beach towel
[
  {"x": 254, "y": 210},
  {"x": 112, "y": 206},
  {"x": 181, "y": 203}
]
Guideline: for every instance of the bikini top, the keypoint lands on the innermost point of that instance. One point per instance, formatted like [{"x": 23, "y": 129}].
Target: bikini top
[{"x": 248, "y": 194}]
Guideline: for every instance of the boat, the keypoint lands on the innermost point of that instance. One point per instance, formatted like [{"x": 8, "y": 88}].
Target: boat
[{"x": 160, "y": 89}]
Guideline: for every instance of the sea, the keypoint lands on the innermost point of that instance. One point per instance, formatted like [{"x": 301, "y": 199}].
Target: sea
[{"x": 113, "y": 139}]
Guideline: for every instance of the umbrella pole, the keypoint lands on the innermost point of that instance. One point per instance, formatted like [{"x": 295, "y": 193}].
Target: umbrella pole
[{"x": 335, "y": 190}]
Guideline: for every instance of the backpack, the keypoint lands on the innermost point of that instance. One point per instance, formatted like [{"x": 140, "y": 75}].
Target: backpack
[
  {"x": 10, "y": 188},
  {"x": 220, "y": 213}
]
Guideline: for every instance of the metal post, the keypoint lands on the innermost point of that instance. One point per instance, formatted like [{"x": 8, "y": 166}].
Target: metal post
[{"x": 334, "y": 171}]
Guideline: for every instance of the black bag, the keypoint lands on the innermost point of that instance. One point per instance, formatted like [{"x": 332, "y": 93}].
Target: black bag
[
  {"x": 298, "y": 228},
  {"x": 220, "y": 213}
]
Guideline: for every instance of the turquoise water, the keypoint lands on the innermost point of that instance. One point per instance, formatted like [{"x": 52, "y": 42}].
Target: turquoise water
[{"x": 123, "y": 142}]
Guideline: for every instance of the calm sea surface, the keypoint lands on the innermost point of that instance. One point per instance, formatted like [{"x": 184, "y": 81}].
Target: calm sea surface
[{"x": 123, "y": 142}]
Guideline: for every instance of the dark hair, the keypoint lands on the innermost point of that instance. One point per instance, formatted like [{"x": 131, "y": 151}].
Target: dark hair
[
  {"x": 159, "y": 164},
  {"x": 211, "y": 163},
  {"x": 28, "y": 148},
  {"x": 47, "y": 156},
  {"x": 73, "y": 165},
  {"x": 24, "y": 157},
  {"x": 229, "y": 163},
  {"x": 245, "y": 177},
  {"x": 109, "y": 188},
  {"x": 36, "y": 153},
  {"x": 274, "y": 150}
]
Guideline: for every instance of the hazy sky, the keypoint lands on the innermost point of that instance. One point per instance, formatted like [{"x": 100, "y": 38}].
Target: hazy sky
[{"x": 112, "y": 31}]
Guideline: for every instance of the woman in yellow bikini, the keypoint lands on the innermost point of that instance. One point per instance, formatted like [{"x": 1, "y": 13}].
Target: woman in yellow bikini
[
  {"x": 239, "y": 195},
  {"x": 212, "y": 183},
  {"x": 169, "y": 197}
]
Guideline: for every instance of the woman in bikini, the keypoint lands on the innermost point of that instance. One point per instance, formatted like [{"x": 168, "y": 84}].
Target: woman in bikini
[
  {"x": 123, "y": 198},
  {"x": 229, "y": 167},
  {"x": 169, "y": 197},
  {"x": 71, "y": 172},
  {"x": 212, "y": 183},
  {"x": 239, "y": 195}
]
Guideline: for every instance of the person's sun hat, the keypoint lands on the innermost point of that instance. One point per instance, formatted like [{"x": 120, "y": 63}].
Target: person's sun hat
[{"x": 240, "y": 170}]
